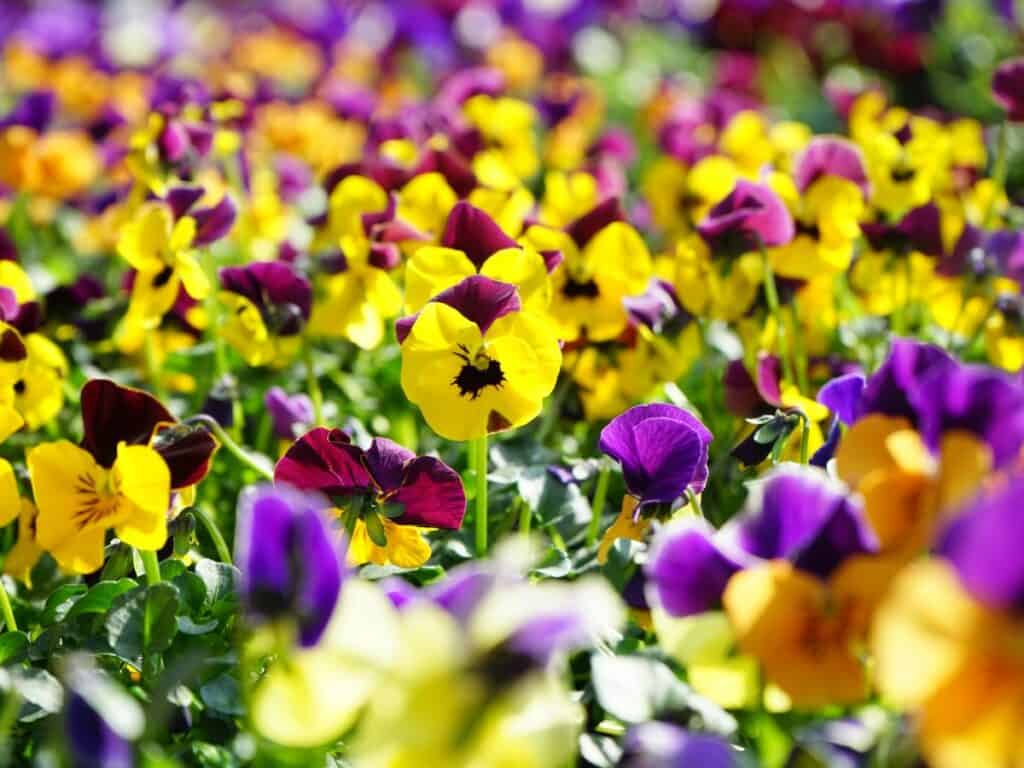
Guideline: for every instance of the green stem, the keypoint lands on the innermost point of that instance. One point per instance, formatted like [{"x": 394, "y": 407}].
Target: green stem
[
  {"x": 525, "y": 517},
  {"x": 6, "y": 609},
  {"x": 772, "y": 295},
  {"x": 231, "y": 446},
  {"x": 694, "y": 503},
  {"x": 203, "y": 515},
  {"x": 313, "y": 384},
  {"x": 152, "y": 566},
  {"x": 799, "y": 352},
  {"x": 805, "y": 439},
  {"x": 480, "y": 449},
  {"x": 597, "y": 505},
  {"x": 152, "y": 366},
  {"x": 1000, "y": 169}
]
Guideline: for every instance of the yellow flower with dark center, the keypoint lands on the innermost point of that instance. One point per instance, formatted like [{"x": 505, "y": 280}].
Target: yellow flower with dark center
[
  {"x": 475, "y": 362},
  {"x": 680, "y": 197},
  {"x": 79, "y": 500}
]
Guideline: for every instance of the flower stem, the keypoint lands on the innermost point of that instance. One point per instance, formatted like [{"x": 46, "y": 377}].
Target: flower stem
[
  {"x": 695, "y": 506},
  {"x": 525, "y": 517},
  {"x": 149, "y": 562},
  {"x": 6, "y": 609},
  {"x": 231, "y": 446},
  {"x": 772, "y": 295},
  {"x": 805, "y": 439},
  {"x": 313, "y": 384},
  {"x": 597, "y": 505},
  {"x": 480, "y": 449},
  {"x": 203, "y": 515}
]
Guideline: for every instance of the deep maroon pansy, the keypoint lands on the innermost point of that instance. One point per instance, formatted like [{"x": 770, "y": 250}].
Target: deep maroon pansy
[
  {"x": 386, "y": 478},
  {"x": 477, "y": 298},
  {"x": 282, "y": 296},
  {"x": 919, "y": 230},
  {"x": 289, "y": 558},
  {"x": 112, "y": 414},
  {"x": 663, "y": 451}
]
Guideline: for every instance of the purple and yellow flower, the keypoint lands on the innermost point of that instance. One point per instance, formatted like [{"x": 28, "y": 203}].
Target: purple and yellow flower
[
  {"x": 947, "y": 637},
  {"x": 795, "y": 576},
  {"x": 476, "y": 361},
  {"x": 385, "y": 495},
  {"x": 1008, "y": 88},
  {"x": 268, "y": 304}
]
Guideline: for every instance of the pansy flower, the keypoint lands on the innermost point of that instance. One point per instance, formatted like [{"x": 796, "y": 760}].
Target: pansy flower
[
  {"x": 947, "y": 637},
  {"x": 473, "y": 243},
  {"x": 357, "y": 292},
  {"x": 159, "y": 243},
  {"x": 680, "y": 197},
  {"x": 603, "y": 259},
  {"x": 827, "y": 196},
  {"x": 925, "y": 432},
  {"x": 132, "y": 455},
  {"x": 475, "y": 361},
  {"x": 386, "y": 495},
  {"x": 795, "y": 577},
  {"x": 289, "y": 559},
  {"x": 268, "y": 304}
]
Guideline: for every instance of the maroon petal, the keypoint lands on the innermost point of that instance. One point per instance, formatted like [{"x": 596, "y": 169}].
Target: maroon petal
[
  {"x": 214, "y": 223},
  {"x": 473, "y": 232},
  {"x": 187, "y": 451},
  {"x": 1008, "y": 88},
  {"x": 113, "y": 414},
  {"x": 769, "y": 378},
  {"x": 432, "y": 495},
  {"x": 593, "y": 221},
  {"x": 269, "y": 284},
  {"x": 385, "y": 460},
  {"x": 326, "y": 461}
]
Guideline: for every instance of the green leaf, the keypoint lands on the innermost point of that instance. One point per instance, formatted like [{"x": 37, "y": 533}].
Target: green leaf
[
  {"x": 636, "y": 689},
  {"x": 60, "y": 602},
  {"x": 375, "y": 529},
  {"x": 223, "y": 695},
  {"x": 220, "y": 580},
  {"x": 13, "y": 647},
  {"x": 143, "y": 621},
  {"x": 100, "y": 597}
]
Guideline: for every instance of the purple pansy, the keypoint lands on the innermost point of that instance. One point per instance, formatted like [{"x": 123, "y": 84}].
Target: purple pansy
[
  {"x": 749, "y": 215},
  {"x": 426, "y": 491},
  {"x": 982, "y": 548},
  {"x": 889, "y": 390},
  {"x": 288, "y": 412},
  {"x": 289, "y": 558},
  {"x": 100, "y": 719},
  {"x": 477, "y": 298},
  {"x": 919, "y": 230},
  {"x": 663, "y": 451},
  {"x": 1008, "y": 88},
  {"x": 796, "y": 514},
  {"x": 283, "y": 297},
  {"x": 475, "y": 233},
  {"x": 842, "y": 395}
]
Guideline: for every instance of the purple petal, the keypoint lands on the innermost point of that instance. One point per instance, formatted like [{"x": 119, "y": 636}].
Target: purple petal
[
  {"x": 34, "y": 110},
  {"x": 271, "y": 285},
  {"x": 824, "y": 454},
  {"x": 288, "y": 411},
  {"x": 688, "y": 571},
  {"x": 318, "y": 588},
  {"x": 477, "y": 298},
  {"x": 181, "y": 199},
  {"x": 657, "y": 744},
  {"x": 214, "y": 223},
  {"x": 385, "y": 460},
  {"x": 842, "y": 396},
  {"x": 751, "y": 212},
  {"x": 542, "y": 637},
  {"x": 432, "y": 495},
  {"x": 803, "y": 517},
  {"x": 473, "y": 232},
  {"x": 769, "y": 378},
  {"x": 889, "y": 389},
  {"x": 831, "y": 156},
  {"x": 326, "y": 461},
  {"x": 981, "y": 547},
  {"x": 461, "y": 592}
]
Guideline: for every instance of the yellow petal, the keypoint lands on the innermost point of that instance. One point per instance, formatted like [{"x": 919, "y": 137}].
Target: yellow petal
[{"x": 143, "y": 480}]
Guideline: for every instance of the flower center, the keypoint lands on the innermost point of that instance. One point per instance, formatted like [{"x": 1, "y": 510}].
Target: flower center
[
  {"x": 97, "y": 500},
  {"x": 574, "y": 289},
  {"x": 478, "y": 371}
]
